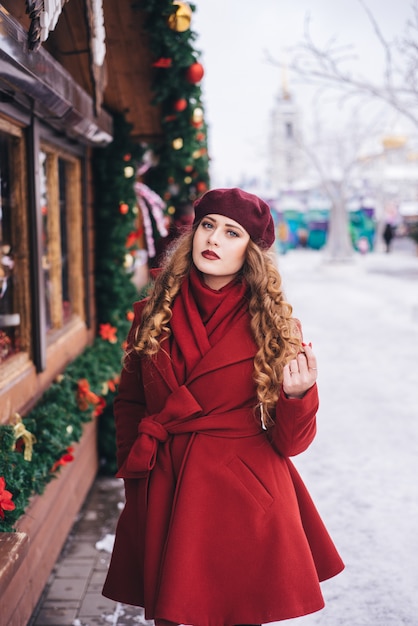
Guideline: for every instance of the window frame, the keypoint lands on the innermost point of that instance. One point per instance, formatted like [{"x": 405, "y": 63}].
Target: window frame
[
  {"x": 21, "y": 254},
  {"x": 74, "y": 228},
  {"x": 30, "y": 138}
]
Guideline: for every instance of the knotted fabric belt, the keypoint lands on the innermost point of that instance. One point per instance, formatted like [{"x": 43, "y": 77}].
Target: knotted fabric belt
[{"x": 182, "y": 414}]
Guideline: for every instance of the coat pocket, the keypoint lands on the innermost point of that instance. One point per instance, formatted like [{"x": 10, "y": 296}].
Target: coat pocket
[{"x": 250, "y": 482}]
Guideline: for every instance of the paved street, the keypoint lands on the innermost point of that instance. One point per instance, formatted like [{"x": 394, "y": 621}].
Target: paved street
[{"x": 362, "y": 318}]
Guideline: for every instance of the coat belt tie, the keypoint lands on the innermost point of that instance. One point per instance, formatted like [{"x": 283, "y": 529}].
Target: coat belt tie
[
  {"x": 152, "y": 430},
  {"x": 182, "y": 414}
]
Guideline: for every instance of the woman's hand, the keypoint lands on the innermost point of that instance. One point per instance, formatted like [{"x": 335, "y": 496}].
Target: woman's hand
[{"x": 300, "y": 374}]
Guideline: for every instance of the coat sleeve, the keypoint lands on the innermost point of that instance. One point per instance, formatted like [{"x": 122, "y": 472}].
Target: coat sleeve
[
  {"x": 295, "y": 423},
  {"x": 129, "y": 405}
]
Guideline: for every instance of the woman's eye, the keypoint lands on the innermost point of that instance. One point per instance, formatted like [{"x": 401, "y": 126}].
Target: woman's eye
[
  {"x": 233, "y": 233},
  {"x": 206, "y": 225}
]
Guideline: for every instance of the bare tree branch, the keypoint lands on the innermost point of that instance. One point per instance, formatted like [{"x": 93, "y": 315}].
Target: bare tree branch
[{"x": 325, "y": 67}]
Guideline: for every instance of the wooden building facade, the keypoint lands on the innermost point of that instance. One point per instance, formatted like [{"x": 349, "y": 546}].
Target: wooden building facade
[{"x": 61, "y": 78}]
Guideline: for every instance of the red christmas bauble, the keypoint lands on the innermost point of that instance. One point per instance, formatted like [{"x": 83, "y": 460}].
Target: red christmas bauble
[
  {"x": 201, "y": 186},
  {"x": 180, "y": 104},
  {"x": 194, "y": 73},
  {"x": 123, "y": 208}
]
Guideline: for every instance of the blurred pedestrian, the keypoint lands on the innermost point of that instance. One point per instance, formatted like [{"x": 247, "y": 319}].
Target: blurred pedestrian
[
  {"x": 216, "y": 393},
  {"x": 388, "y": 235}
]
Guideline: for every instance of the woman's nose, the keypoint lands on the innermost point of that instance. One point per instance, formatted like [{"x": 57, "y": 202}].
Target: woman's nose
[{"x": 213, "y": 238}]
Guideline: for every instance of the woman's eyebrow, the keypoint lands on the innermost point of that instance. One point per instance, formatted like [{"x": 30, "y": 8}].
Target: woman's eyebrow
[
  {"x": 215, "y": 221},
  {"x": 234, "y": 226}
]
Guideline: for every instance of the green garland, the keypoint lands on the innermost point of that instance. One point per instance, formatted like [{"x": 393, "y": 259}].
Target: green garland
[
  {"x": 115, "y": 292},
  {"x": 56, "y": 423},
  {"x": 182, "y": 173}
]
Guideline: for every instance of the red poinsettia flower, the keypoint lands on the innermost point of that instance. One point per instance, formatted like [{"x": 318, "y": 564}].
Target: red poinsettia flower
[
  {"x": 163, "y": 62},
  {"x": 6, "y": 503},
  {"x": 100, "y": 406},
  {"x": 85, "y": 396},
  {"x": 108, "y": 333},
  {"x": 112, "y": 384},
  {"x": 83, "y": 386},
  {"x": 131, "y": 240},
  {"x": 67, "y": 457}
]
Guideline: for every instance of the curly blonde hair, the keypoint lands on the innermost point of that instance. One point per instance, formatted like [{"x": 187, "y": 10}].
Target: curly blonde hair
[{"x": 276, "y": 333}]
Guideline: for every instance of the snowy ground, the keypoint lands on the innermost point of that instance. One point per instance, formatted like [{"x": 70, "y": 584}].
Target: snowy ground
[{"x": 362, "y": 469}]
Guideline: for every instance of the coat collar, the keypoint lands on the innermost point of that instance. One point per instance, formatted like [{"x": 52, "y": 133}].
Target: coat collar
[{"x": 237, "y": 345}]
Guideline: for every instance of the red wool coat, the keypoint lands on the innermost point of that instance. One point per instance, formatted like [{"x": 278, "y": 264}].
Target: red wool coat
[{"x": 218, "y": 527}]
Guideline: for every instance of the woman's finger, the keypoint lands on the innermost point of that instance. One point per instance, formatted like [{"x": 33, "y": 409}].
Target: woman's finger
[{"x": 310, "y": 358}]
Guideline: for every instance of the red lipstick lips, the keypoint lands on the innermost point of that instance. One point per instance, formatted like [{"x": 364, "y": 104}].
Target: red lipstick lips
[{"x": 209, "y": 254}]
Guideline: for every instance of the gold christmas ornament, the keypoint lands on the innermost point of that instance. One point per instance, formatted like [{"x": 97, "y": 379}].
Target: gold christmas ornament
[
  {"x": 177, "y": 143},
  {"x": 20, "y": 432},
  {"x": 129, "y": 261},
  {"x": 128, "y": 171},
  {"x": 197, "y": 114},
  {"x": 180, "y": 20}
]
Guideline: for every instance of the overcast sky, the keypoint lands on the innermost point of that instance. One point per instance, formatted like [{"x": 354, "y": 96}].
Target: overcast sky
[{"x": 240, "y": 86}]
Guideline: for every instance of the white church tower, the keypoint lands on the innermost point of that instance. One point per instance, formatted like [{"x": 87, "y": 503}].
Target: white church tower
[{"x": 287, "y": 166}]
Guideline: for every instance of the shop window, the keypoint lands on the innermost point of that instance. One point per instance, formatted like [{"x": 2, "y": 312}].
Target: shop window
[
  {"x": 42, "y": 289},
  {"x": 14, "y": 274},
  {"x": 62, "y": 261}
]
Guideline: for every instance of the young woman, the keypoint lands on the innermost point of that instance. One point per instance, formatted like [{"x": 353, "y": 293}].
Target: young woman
[{"x": 217, "y": 392}]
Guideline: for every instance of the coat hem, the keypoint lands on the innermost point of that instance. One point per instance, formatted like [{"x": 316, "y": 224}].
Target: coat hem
[{"x": 278, "y": 617}]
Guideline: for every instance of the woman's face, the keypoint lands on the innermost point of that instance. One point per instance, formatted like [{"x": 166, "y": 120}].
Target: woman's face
[{"x": 219, "y": 247}]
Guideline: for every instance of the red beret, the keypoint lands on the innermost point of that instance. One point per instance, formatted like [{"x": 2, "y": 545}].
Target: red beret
[{"x": 243, "y": 207}]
